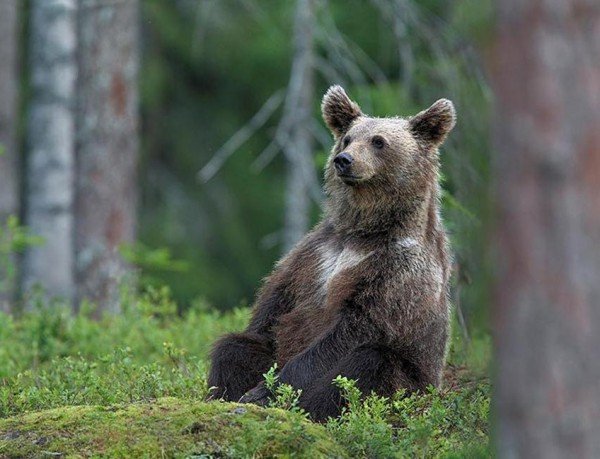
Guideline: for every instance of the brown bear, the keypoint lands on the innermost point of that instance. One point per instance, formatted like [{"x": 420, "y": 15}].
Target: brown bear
[{"x": 365, "y": 293}]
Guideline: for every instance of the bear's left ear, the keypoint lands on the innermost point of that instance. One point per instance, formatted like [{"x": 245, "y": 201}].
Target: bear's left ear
[
  {"x": 434, "y": 124},
  {"x": 338, "y": 110}
]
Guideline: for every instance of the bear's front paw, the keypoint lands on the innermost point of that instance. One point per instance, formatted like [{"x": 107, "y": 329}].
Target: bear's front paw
[{"x": 258, "y": 396}]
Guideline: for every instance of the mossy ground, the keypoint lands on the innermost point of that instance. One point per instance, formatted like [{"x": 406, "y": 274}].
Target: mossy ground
[{"x": 167, "y": 427}]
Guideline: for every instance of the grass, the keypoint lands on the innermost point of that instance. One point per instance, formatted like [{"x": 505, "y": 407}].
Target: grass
[{"x": 133, "y": 385}]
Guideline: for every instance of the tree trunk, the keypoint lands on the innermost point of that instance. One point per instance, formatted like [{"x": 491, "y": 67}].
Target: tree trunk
[
  {"x": 9, "y": 170},
  {"x": 107, "y": 146},
  {"x": 9, "y": 83},
  {"x": 51, "y": 145},
  {"x": 547, "y": 303},
  {"x": 298, "y": 118}
]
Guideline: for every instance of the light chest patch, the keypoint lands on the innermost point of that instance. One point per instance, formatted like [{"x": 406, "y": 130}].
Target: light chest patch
[{"x": 334, "y": 262}]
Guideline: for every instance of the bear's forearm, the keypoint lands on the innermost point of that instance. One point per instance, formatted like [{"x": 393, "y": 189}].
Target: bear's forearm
[
  {"x": 267, "y": 311},
  {"x": 322, "y": 355}
]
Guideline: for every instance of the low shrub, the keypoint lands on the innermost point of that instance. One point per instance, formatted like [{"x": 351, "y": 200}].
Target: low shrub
[{"x": 51, "y": 359}]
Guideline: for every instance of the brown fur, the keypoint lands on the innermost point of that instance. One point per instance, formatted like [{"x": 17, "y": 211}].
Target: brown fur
[{"x": 364, "y": 294}]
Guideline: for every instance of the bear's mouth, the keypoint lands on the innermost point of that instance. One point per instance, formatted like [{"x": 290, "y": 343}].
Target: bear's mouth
[{"x": 350, "y": 179}]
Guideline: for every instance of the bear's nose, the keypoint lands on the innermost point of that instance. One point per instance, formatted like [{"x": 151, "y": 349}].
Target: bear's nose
[{"x": 342, "y": 162}]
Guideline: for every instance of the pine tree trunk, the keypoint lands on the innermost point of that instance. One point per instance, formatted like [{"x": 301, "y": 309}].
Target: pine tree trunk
[
  {"x": 107, "y": 146},
  {"x": 547, "y": 304},
  {"x": 9, "y": 169},
  {"x": 50, "y": 159},
  {"x": 298, "y": 115}
]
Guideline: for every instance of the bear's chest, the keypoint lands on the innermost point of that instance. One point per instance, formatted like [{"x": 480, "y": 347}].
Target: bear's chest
[
  {"x": 331, "y": 273},
  {"x": 316, "y": 303},
  {"x": 333, "y": 263}
]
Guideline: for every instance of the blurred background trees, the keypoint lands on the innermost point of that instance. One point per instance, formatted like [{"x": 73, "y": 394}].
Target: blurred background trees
[
  {"x": 296, "y": 140},
  {"x": 81, "y": 146},
  {"x": 107, "y": 110},
  {"x": 218, "y": 69},
  {"x": 232, "y": 89},
  {"x": 50, "y": 146},
  {"x": 9, "y": 86}
]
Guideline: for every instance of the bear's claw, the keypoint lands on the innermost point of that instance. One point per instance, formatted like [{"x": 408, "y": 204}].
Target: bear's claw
[{"x": 258, "y": 396}]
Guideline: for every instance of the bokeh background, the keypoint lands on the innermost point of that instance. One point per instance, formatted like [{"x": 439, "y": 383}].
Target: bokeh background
[
  {"x": 223, "y": 100},
  {"x": 208, "y": 67}
]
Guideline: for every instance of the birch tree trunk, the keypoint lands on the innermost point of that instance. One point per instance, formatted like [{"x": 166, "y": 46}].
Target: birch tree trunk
[
  {"x": 547, "y": 304},
  {"x": 9, "y": 169},
  {"x": 298, "y": 116},
  {"x": 107, "y": 146},
  {"x": 51, "y": 145}
]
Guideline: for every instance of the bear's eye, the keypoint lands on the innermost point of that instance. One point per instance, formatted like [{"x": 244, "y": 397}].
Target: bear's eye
[
  {"x": 378, "y": 142},
  {"x": 346, "y": 141}
]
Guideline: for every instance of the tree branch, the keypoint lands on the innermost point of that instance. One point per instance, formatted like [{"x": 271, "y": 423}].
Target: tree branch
[{"x": 241, "y": 136}]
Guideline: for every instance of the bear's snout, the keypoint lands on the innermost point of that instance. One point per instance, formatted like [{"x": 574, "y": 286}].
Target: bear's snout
[{"x": 342, "y": 163}]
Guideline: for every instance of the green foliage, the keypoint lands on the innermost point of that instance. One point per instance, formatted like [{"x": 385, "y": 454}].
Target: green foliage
[
  {"x": 41, "y": 339},
  {"x": 107, "y": 378},
  {"x": 363, "y": 425},
  {"x": 151, "y": 262},
  {"x": 437, "y": 424},
  {"x": 284, "y": 395},
  {"x": 444, "y": 423},
  {"x": 14, "y": 239}
]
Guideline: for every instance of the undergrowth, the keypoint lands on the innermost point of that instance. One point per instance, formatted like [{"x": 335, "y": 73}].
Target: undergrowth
[{"x": 50, "y": 358}]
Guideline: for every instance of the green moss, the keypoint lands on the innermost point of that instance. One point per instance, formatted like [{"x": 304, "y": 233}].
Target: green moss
[{"x": 167, "y": 427}]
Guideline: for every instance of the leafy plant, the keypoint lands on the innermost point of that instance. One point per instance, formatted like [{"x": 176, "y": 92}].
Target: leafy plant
[
  {"x": 151, "y": 262},
  {"x": 363, "y": 425},
  {"x": 14, "y": 239},
  {"x": 284, "y": 395}
]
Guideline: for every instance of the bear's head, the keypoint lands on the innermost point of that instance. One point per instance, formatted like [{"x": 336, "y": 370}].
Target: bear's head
[{"x": 382, "y": 165}]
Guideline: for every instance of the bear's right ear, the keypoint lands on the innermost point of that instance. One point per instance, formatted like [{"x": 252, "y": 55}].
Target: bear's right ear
[
  {"x": 434, "y": 124},
  {"x": 338, "y": 110}
]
